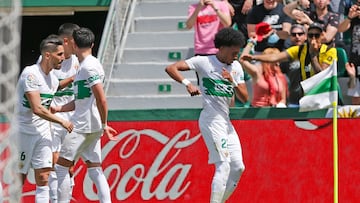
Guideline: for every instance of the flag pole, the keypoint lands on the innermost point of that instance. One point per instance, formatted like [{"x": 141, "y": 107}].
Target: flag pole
[
  {"x": 319, "y": 85},
  {"x": 335, "y": 135},
  {"x": 335, "y": 151}
]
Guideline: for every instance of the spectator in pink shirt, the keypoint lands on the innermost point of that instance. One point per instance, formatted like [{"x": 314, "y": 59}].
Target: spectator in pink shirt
[{"x": 207, "y": 17}]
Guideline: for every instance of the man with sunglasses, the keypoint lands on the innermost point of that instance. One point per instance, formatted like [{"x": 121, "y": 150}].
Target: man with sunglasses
[
  {"x": 298, "y": 37},
  {"x": 303, "y": 13},
  {"x": 314, "y": 56}
]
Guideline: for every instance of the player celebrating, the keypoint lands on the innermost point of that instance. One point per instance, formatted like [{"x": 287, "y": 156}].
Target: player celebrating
[
  {"x": 64, "y": 95},
  {"x": 90, "y": 120},
  {"x": 36, "y": 88},
  {"x": 219, "y": 75}
]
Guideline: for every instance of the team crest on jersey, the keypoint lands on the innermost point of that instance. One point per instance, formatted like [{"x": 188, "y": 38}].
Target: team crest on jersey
[{"x": 31, "y": 81}]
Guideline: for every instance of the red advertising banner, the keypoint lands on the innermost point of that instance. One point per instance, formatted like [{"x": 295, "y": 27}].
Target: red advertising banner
[{"x": 166, "y": 161}]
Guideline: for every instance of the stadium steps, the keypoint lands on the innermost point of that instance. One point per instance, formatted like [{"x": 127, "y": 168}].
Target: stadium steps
[
  {"x": 156, "y": 39},
  {"x": 155, "y": 54}
]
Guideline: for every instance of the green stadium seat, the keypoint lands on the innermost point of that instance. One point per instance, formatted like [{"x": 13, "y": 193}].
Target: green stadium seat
[
  {"x": 342, "y": 60},
  {"x": 341, "y": 70}
]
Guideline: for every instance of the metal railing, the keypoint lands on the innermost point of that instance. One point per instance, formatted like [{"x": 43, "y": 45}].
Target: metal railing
[{"x": 113, "y": 40}]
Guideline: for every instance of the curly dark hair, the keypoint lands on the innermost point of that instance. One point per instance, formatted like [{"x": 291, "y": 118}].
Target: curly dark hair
[{"x": 229, "y": 37}]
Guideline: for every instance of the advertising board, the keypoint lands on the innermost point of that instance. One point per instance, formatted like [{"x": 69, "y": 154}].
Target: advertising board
[{"x": 165, "y": 160}]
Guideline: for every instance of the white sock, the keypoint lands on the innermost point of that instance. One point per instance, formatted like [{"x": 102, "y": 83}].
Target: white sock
[
  {"x": 218, "y": 185},
  {"x": 97, "y": 176},
  {"x": 72, "y": 184},
  {"x": 72, "y": 181},
  {"x": 63, "y": 177},
  {"x": 42, "y": 194},
  {"x": 236, "y": 169},
  {"x": 53, "y": 183}
]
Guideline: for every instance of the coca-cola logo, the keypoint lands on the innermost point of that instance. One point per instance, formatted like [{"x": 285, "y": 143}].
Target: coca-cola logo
[{"x": 160, "y": 175}]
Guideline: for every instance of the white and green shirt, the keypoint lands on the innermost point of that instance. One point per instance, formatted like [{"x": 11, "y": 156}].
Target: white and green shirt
[
  {"x": 86, "y": 118},
  {"x": 215, "y": 90},
  {"x": 63, "y": 96},
  {"x": 34, "y": 79}
]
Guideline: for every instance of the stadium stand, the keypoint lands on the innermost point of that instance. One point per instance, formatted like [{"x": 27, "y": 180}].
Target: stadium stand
[{"x": 156, "y": 38}]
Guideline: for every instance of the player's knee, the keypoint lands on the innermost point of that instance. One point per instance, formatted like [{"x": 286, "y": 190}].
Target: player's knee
[
  {"x": 42, "y": 178},
  {"x": 71, "y": 171},
  {"x": 238, "y": 166}
]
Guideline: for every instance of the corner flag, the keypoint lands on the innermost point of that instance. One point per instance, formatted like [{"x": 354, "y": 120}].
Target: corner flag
[{"x": 321, "y": 90}]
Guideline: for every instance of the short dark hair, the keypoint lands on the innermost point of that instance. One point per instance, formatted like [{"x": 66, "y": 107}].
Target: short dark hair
[
  {"x": 229, "y": 37},
  {"x": 50, "y": 43},
  {"x": 67, "y": 29},
  {"x": 84, "y": 37}
]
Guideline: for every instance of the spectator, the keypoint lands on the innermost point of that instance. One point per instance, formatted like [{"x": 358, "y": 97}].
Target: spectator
[
  {"x": 353, "y": 83},
  {"x": 314, "y": 56},
  {"x": 270, "y": 12},
  {"x": 292, "y": 68},
  {"x": 352, "y": 23},
  {"x": 285, "y": 1},
  {"x": 337, "y": 6},
  {"x": 207, "y": 17},
  {"x": 239, "y": 10},
  {"x": 329, "y": 20},
  {"x": 269, "y": 83}
]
